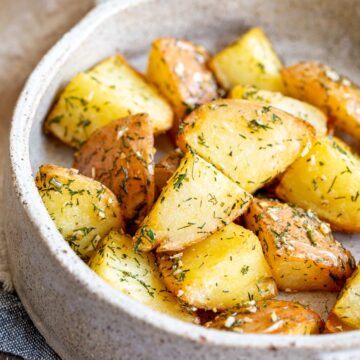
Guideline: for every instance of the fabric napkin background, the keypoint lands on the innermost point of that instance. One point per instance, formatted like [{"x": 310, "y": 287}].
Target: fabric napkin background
[{"x": 28, "y": 28}]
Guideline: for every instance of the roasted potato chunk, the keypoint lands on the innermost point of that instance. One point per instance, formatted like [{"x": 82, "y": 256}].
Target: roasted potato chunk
[
  {"x": 334, "y": 325},
  {"x": 327, "y": 181},
  {"x": 269, "y": 317},
  {"x": 135, "y": 275},
  {"x": 109, "y": 91},
  {"x": 197, "y": 201},
  {"x": 120, "y": 156},
  {"x": 178, "y": 69},
  {"x": 322, "y": 86},
  {"x": 83, "y": 209},
  {"x": 300, "y": 109},
  {"x": 300, "y": 249},
  {"x": 166, "y": 167},
  {"x": 347, "y": 307},
  {"x": 251, "y": 60},
  {"x": 249, "y": 142},
  {"x": 220, "y": 272}
]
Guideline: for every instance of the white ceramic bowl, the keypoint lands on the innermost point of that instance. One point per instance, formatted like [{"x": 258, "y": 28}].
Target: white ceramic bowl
[{"x": 80, "y": 315}]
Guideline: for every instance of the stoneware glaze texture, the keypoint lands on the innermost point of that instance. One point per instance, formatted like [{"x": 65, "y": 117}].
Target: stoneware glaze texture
[{"x": 80, "y": 315}]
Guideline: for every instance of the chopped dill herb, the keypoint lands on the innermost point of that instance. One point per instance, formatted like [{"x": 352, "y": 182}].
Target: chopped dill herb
[
  {"x": 257, "y": 124},
  {"x": 179, "y": 180}
]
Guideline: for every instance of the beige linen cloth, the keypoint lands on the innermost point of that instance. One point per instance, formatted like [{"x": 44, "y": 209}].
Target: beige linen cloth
[{"x": 28, "y": 28}]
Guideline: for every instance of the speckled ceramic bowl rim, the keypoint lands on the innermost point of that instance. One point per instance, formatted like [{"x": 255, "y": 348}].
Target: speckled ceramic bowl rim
[{"x": 26, "y": 191}]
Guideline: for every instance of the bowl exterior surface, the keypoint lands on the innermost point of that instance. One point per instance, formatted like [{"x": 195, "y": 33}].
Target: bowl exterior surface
[{"x": 80, "y": 315}]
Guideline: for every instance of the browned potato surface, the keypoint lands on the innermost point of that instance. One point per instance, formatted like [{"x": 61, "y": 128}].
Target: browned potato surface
[
  {"x": 120, "y": 155},
  {"x": 300, "y": 249},
  {"x": 269, "y": 317},
  {"x": 322, "y": 86},
  {"x": 334, "y": 325},
  {"x": 178, "y": 69},
  {"x": 166, "y": 167},
  {"x": 82, "y": 209},
  {"x": 249, "y": 142}
]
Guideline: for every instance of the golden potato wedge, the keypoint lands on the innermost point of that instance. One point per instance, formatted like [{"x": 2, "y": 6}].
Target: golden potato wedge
[
  {"x": 249, "y": 142},
  {"x": 327, "y": 181},
  {"x": 109, "y": 91},
  {"x": 220, "y": 272},
  {"x": 166, "y": 167},
  {"x": 300, "y": 109},
  {"x": 83, "y": 209},
  {"x": 334, "y": 325},
  {"x": 178, "y": 69},
  {"x": 135, "y": 275},
  {"x": 251, "y": 60},
  {"x": 120, "y": 156},
  {"x": 300, "y": 248},
  {"x": 269, "y": 317},
  {"x": 347, "y": 306},
  {"x": 197, "y": 201},
  {"x": 322, "y": 86}
]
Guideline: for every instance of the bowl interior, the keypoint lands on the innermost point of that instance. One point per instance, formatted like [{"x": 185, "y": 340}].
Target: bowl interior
[{"x": 299, "y": 30}]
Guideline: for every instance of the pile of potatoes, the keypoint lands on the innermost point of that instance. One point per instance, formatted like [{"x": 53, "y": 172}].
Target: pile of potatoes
[{"x": 242, "y": 207}]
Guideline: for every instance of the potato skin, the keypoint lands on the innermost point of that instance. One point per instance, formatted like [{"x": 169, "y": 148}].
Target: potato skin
[
  {"x": 83, "y": 209},
  {"x": 109, "y": 91},
  {"x": 120, "y": 156},
  {"x": 267, "y": 140},
  {"x": 300, "y": 249},
  {"x": 300, "y": 109},
  {"x": 334, "y": 325},
  {"x": 322, "y": 86},
  {"x": 135, "y": 275},
  {"x": 223, "y": 271},
  {"x": 197, "y": 201},
  {"x": 250, "y": 60},
  {"x": 326, "y": 180},
  {"x": 178, "y": 69},
  {"x": 165, "y": 168},
  {"x": 269, "y": 317}
]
